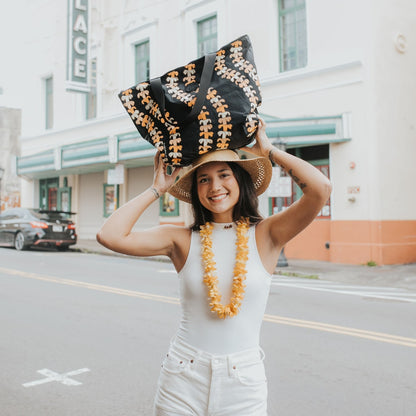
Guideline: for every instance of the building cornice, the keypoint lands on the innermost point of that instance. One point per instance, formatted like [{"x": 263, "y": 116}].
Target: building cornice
[
  {"x": 80, "y": 126},
  {"x": 304, "y": 73}
]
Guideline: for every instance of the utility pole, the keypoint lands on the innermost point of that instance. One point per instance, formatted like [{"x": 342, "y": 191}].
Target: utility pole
[
  {"x": 1, "y": 177},
  {"x": 279, "y": 193}
]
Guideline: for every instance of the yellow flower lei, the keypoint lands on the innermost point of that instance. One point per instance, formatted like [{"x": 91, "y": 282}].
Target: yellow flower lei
[{"x": 210, "y": 278}]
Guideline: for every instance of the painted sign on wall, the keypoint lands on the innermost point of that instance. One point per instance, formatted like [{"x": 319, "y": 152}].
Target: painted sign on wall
[{"x": 77, "y": 73}]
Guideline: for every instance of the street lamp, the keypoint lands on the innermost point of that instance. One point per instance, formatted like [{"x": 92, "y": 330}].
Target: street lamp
[
  {"x": 282, "y": 261},
  {"x": 1, "y": 177}
]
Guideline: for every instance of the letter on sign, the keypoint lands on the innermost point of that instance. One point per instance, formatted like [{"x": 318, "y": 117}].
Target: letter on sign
[{"x": 78, "y": 46}]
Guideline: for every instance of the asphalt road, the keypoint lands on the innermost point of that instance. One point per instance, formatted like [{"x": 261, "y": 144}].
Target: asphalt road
[{"x": 84, "y": 334}]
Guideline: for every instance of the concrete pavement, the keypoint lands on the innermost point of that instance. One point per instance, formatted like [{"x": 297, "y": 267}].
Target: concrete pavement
[{"x": 400, "y": 276}]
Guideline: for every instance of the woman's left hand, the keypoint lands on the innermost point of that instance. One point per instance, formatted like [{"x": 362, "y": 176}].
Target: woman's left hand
[{"x": 262, "y": 146}]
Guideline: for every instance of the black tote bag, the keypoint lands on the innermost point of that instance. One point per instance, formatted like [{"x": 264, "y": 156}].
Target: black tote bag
[{"x": 209, "y": 104}]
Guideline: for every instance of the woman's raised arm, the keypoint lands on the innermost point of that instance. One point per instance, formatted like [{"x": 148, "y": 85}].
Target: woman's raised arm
[
  {"x": 315, "y": 186},
  {"x": 116, "y": 233}
]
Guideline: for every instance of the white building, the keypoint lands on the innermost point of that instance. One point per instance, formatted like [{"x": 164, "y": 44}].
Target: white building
[{"x": 338, "y": 90}]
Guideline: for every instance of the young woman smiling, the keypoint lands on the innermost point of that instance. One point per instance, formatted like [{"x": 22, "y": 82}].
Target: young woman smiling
[{"x": 224, "y": 261}]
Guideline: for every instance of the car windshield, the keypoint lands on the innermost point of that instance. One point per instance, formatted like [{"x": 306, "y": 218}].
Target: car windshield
[{"x": 51, "y": 215}]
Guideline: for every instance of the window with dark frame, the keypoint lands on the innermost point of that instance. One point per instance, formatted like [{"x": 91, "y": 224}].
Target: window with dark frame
[
  {"x": 48, "y": 193},
  {"x": 168, "y": 206},
  {"x": 317, "y": 156},
  {"x": 207, "y": 35},
  {"x": 292, "y": 34}
]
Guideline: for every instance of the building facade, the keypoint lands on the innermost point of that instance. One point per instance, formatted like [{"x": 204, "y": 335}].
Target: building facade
[
  {"x": 336, "y": 81},
  {"x": 10, "y": 125}
]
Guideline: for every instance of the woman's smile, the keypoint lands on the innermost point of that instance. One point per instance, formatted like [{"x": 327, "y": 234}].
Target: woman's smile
[{"x": 218, "y": 198}]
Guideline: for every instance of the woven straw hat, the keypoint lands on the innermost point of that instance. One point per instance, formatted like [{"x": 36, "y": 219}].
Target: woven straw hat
[{"x": 259, "y": 168}]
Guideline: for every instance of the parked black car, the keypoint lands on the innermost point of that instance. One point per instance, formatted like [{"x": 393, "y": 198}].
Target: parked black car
[{"x": 22, "y": 228}]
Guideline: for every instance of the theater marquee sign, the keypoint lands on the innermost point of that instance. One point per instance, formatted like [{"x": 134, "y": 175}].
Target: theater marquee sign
[{"x": 77, "y": 64}]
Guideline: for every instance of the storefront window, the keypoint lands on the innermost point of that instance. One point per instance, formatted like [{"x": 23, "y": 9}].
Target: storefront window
[
  {"x": 64, "y": 199},
  {"x": 48, "y": 193},
  {"x": 110, "y": 199},
  {"x": 169, "y": 206},
  {"x": 317, "y": 156}
]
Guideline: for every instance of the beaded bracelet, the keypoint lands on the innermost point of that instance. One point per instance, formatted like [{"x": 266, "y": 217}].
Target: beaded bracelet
[
  {"x": 155, "y": 192},
  {"x": 270, "y": 155}
]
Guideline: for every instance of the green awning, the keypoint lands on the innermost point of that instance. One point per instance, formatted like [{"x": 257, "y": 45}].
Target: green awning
[{"x": 132, "y": 150}]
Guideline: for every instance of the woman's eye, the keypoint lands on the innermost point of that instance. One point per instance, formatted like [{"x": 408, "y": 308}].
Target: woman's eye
[{"x": 203, "y": 180}]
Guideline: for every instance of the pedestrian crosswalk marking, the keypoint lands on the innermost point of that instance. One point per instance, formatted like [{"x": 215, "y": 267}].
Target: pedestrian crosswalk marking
[
  {"x": 61, "y": 378},
  {"x": 384, "y": 293}
]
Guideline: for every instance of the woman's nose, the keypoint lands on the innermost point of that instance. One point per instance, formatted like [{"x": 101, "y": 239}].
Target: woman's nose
[{"x": 215, "y": 184}]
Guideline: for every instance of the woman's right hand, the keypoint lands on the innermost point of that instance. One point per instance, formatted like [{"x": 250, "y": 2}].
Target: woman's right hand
[{"x": 161, "y": 180}]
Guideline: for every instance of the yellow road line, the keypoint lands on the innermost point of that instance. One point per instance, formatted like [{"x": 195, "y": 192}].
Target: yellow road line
[
  {"x": 93, "y": 286},
  {"x": 360, "y": 333},
  {"x": 319, "y": 326}
]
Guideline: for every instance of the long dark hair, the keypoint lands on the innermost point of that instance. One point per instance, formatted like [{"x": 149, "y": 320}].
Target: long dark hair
[{"x": 246, "y": 206}]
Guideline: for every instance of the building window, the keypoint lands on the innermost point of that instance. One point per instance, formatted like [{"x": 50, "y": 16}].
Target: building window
[
  {"x": 169, "y": 206},
  {"x": 48, "y": 193},
  {"x": 48, "y": 103},
  {"x": 110, "y": 199},
  {"x": 317, "y": 156},
  {"x": 292, "y": 34},
  {"x": 64, "y": 199},
  {"x": 91, "y": 96},
  {"x": 207, "y": 35},
  {"x": 142, "y": 61}
]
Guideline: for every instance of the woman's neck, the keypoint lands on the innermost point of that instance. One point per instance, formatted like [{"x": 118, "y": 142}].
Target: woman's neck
[{"x": 222, "y": 218}]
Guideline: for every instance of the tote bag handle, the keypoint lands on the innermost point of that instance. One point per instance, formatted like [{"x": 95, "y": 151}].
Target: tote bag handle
[{"x": 206, "y": 76}]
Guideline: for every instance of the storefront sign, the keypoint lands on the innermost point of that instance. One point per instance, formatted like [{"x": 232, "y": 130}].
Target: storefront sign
[
  {"x": 77, "y": 73},
  {"x": 353, "y": 189},
  {"x": 116, "y": 175},
  {"x": 280, "y": 186}
]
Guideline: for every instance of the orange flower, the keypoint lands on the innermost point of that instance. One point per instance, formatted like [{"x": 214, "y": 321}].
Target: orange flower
[{"x": 240, "y": 272}]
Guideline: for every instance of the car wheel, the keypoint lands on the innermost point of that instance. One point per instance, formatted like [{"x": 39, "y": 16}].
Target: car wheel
[{"x": 19, "y": 241}]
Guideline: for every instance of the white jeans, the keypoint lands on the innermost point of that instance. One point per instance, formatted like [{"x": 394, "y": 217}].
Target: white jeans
[{"x": 193, "y": 382}]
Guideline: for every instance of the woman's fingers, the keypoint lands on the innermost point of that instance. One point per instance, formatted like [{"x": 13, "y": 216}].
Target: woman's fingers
[
  {"x": 157, "y": 159},
  {"x": 176, "y": 172}
]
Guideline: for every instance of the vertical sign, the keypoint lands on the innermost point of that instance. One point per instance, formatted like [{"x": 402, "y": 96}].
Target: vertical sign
[{"x": 77, "y": 73}]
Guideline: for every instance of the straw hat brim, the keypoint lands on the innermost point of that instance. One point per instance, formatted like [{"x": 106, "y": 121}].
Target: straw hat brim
[{"x": 259, "y": 168}]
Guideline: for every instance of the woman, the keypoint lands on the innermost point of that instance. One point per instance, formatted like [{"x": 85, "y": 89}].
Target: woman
[{"x": 224, "y": 264}]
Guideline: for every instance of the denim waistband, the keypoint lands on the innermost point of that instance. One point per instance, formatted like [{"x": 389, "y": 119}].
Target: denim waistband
[{"x": 190, "y": 353}]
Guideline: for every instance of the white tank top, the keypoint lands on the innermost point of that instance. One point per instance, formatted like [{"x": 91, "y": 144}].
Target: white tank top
[{"x": 202, "y": 328}]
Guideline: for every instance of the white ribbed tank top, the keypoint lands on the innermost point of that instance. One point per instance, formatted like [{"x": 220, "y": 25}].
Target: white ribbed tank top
[{"x": 202, "y": 328}]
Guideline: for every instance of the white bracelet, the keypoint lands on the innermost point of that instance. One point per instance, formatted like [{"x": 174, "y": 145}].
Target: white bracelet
[{"x": 155, "y": 192}]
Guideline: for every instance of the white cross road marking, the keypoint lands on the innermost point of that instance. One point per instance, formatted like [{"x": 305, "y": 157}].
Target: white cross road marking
[
  {"x": 386, "y": 293},
  {"x": 62, "y": 378}
]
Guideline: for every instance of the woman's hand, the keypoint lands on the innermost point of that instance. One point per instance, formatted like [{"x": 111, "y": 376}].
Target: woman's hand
[
  {"x": 262, "y": 146},
  {"x": 161, "y": 180}
]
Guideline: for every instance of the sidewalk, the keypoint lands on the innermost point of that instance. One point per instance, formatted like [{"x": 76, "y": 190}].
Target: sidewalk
[{"x": 400, "y": 276}]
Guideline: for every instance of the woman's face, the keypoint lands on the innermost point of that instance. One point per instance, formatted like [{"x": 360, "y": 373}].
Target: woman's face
[{"x": 218, "y": 190}]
